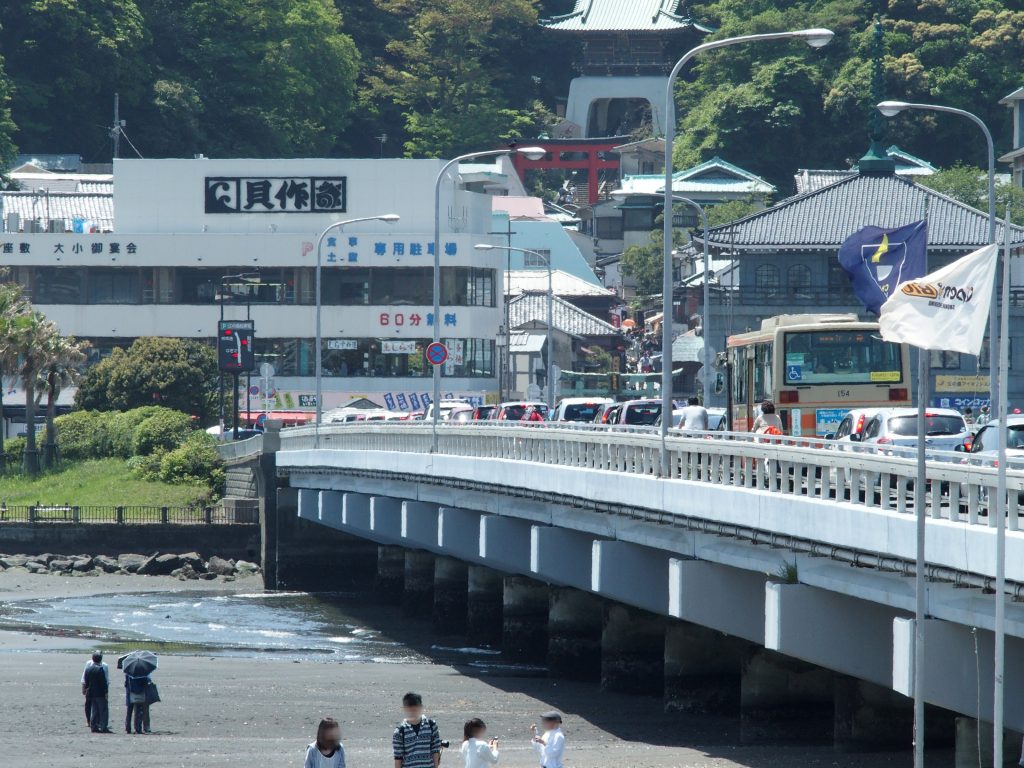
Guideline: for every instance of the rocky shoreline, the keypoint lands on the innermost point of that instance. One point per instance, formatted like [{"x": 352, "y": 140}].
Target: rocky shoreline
[{"x": 185, "y": 567}]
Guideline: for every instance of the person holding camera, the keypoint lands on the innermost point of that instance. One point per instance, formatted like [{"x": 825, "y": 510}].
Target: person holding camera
[
  {"x": 550, "y": 745},
  {"x": 417, "y": 741},
  {"x": 327, "y": 751},
  {"x": 476, "y": 751}
]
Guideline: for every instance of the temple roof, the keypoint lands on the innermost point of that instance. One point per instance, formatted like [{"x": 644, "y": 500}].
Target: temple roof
[{"x": 621, "y": 16}]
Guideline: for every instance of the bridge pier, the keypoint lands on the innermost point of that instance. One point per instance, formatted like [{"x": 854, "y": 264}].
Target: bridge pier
[
  {"x": 418, "y": 596},
  {"x": 784, "y": 700},
  {"x": 975, "y": 752},
  {"x": 390, "y": 574},
  {"x": 484, "y": 596},
  {"x": 632, "y": 651},
  {"x": 575, "y": 621},
  {"x": 451, "y": 588},
  {"x": 868, "y": 716},
  {"x": 525, "y": 619},
  {"x": 702, "y": 670}
]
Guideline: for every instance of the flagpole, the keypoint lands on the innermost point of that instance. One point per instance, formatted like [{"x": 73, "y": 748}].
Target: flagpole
[
  {"x": 1000, "y": 506},
  {"x": 920, "y": 505}
]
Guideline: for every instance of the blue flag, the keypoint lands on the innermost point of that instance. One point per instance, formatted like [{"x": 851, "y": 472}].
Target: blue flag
[{"x": 877, "y": 260}]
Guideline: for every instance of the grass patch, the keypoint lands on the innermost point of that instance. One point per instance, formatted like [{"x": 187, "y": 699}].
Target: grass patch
[{"x": 97, "y": 482}]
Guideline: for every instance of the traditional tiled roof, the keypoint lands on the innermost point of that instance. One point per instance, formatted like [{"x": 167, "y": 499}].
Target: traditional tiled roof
[
  {"x": 564, "y": 284},
  {"x": 824, "y": 218},
  {"x": 533, "y": 308},
  {"x": 98, "y": 208},
  {"x": 621, "y": 16},
  {"x": 713, "y": 176}
]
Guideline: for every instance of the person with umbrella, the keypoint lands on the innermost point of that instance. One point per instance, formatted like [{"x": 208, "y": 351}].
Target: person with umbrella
[{"x": 139, "y": 688}]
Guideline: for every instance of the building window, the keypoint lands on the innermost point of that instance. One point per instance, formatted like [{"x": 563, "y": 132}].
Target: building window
[
  {"x": 378, "y": 357},
  {"x": 766, "y": 278},
  {"x": 609, "y": 228},
  {"x": 402, "y": 286},
  {"x": 942, "y": 360},
  {"x": 538, "y": 259},
  {"x": 114, "y": 286},
  {"x": 798, "y": 278},
  {"x": 984, "y": 357},
  {"x": 637, "y": 219},
  {"x": 59, "y": 285},
  {"x": 346, "y": 287}
]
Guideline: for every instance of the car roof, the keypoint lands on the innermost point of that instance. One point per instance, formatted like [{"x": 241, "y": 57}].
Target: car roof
[
  {"x": 578, "y": 400},
  {"x": 1012, "y": 420},
  {"x": 913, "y": 412},
  {"x": 643, "y": 401},
  {"x": 523, "y": 402}
]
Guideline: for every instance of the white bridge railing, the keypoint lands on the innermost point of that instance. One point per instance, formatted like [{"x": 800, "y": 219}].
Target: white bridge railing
[{"x": 958, "y": 489}]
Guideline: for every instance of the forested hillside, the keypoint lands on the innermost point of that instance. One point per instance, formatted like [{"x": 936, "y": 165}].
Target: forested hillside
[{"x": 332, "y": 77}]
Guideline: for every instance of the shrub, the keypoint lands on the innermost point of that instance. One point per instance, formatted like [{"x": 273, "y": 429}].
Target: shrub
[
  {"x": 147, "y": 467},
  {"x": 165, "y": 429},
  {"x": 122, "y": 425},
  {"x": 82, "y": 435},
  {"x": 14, "y": 452},
  {"x": 194, "y": 461}
]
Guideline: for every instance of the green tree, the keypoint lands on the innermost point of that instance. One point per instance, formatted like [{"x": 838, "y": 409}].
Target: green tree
[
  {"x": 7, "y": 128},
  {"x": 724, "y": 213},
  {"x": 64, "y": 358},
  {"x": 176, "y": 373},
  {"x": 14, "y": 309},
  {"x": 66, "y": 58},
  {"x": 644, "y": 263},
  {"x": 970, "y": 186},
  {"x": 249, "y": 78},
  {"x": 34, "y": 338}
]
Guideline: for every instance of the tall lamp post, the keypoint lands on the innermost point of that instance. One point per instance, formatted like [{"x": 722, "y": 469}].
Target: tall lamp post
[
  {"x": 816, "y": 38},
  {"x": 548, "y": 373},
  {"x": 532, "y": 153},
  {"x": 893, "y": 108},
  {"x": 390, "y": 218}
]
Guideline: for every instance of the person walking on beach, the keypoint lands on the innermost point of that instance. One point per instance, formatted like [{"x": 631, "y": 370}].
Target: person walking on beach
[
  {"x": 327, "y": 751},
  {"x": 96, "y": 686},
  {"x": 135, "y": 698},
  {"x": 476, "y": 752},
  {"x": 97, "y": 658},
  {"x": 417, "y": 741},
  {"x": 550, "y": 745}
]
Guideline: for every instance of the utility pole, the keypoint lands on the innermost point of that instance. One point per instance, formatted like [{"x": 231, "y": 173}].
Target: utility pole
[{"x": 115, "y": 132}]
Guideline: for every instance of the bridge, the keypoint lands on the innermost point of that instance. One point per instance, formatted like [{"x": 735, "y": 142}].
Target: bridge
[{"x": 769, "y": 577}]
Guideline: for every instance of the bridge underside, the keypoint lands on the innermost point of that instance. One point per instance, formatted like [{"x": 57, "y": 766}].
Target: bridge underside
[{"x": 711, "y": 619}]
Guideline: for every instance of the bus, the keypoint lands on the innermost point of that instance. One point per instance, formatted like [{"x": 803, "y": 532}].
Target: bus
[{"x": 815, "y": 368}]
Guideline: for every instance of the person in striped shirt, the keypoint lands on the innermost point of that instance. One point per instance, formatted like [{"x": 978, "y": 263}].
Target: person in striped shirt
[{"x": 417, "y": 740}]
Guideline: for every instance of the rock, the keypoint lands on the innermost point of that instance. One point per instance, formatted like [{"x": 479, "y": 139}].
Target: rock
[
  {"x": 13, "y": 561},
  {"x": 207, "y": 576},
  {"x": 194, "y": 561},
  {"x": 60, "y": 565},
  {"x": 131, "y": 563},
  {"x": 185, "y": 573},
  {"x": 34, "y": 566},
  {"x": 220, "y": 567},
  {"x": 244, "y": 567},
  {"x": 82, "y": 565},
  {"x": 107, "y": 564},
  {"x": 159, "y": 565},
  {"x": 46, "y": 558}
]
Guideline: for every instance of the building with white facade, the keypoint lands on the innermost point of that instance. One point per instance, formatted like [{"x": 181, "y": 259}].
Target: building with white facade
[{"x": 184, "y": 230}]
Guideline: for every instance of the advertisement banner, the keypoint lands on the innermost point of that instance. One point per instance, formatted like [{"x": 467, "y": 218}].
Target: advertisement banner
[{"x": 961, "y": 383}]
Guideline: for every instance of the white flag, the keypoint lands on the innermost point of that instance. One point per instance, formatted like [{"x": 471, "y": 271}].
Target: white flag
[{"x": 947, "y": 309}]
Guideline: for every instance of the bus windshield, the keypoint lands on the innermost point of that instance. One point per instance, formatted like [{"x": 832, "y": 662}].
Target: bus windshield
[{"x": 841, "y": 357}]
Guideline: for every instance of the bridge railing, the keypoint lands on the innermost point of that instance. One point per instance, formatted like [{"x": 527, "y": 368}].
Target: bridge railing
[{"x": 957, "y": 490}]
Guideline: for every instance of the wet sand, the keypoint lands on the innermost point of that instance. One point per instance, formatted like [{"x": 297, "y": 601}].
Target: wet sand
[{"x": 262, "y": 712}]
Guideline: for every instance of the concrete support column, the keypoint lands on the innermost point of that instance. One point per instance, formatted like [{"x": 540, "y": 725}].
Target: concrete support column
[
  {"x": 418, "y": 596},
  {"x": 484, "y": 606},
  {"x": 784, "y": 700},
  {"x": 575, "y": 621},
  {"x": 974, "y": 749},
  {"x": 868, "y": 716},
  {"x": 632, "y": 651},
  {"x": 703, "y": 670},
  {"x": 524, "y": 633},
  {"x": 390, "y": 574},
  {"x": 451, "y": 585}
]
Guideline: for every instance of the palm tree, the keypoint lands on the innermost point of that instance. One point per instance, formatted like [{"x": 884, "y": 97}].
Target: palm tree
[
  {"x": 14, "y": 308},
  {"x": 62, "y": 368},
  {"x": 35, "y": 338}
]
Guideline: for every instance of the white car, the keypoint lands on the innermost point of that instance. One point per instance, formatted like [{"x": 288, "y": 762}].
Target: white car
[
  {"x": 447, "y": 406},
  {"x": 579, "y": 408},
  {"x": 945, "y": 429},
  {"x": 985, "y": 445}
]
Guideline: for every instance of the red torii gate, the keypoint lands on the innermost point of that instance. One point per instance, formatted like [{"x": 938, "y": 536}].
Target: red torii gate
[{"x": 591, "y": 155}]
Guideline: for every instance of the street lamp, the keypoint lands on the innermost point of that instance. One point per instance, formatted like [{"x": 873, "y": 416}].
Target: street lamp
[
  {"x": 816, "y": 38},
  {"x": 390, "y": 218},
  {"x": 549, "y": 373},
  {"x": 893, "y": 108},
  {"x": 531, "y": 153}
]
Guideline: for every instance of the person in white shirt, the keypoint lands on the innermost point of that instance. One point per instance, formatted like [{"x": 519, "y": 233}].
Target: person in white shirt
[
  {"x": 694, "y": 416},
  {"x": 550, "y": 746},
  {"x": 327, "y": 751},
  {"x": 477, "y": 752},
  {"x": 88, "y": 701}
]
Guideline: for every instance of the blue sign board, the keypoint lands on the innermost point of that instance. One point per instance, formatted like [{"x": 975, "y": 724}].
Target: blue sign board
[
  {"x": 826, "y": 420},
  {"x": 959, "y": 403},
  {"x": 794, "y": 373}
]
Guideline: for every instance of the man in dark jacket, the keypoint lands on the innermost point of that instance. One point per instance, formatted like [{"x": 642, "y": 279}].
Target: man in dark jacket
[{"x": 96, "y": 687}]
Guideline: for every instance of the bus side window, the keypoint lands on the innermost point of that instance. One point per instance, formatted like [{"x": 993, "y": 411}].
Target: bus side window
[
  {"x": 739, "y": 376},
  {"x": 768, "y": 375},
  {"x": 758, "y": 384}
]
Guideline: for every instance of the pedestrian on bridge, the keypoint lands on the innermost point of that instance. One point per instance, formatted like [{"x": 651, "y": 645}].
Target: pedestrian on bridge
[
  {"x": 550, "y": 745},
  {"x": 694, "y": 416},
  {"x": 768, "y": 420}
]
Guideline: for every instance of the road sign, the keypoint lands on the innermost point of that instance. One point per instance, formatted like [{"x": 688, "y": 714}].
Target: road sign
[
  {"x": 254, "y": 390},
  {"x": 437, "y": 353},
  {"x": 266, "y": 370},
  {"x": 235, "y": 346}
]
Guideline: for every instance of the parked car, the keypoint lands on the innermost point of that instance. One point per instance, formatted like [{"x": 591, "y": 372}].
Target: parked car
[
  {"x": 514, "y": 410},
  {"x": 640, "y": 413},
  {"x": 579, "y": 408},
  {"x": 945, "y": 429}
]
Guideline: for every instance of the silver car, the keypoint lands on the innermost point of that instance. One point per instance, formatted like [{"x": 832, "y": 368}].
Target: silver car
[{"x": 945, "y": 429}]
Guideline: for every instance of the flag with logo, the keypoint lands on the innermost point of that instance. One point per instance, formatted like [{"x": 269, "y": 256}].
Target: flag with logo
[
  {"x": 947, "y": 309},
  {"x": 877, "y": 260}
]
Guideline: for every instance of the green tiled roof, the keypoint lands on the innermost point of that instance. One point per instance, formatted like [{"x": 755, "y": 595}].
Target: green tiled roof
[{"x": 621, "y": 16}]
